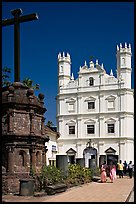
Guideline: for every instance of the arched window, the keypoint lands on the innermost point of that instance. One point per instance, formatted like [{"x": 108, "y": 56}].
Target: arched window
[
  {"x": 37, "y": 158},
  {"x": 61, "y": 69},
  {"x": 91, "y": 81},
  {"x": 123, "y": 61},
  {"x": 22, "y": 159}
]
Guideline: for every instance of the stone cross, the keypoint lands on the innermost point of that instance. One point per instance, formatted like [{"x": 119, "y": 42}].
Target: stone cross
[{"x": 16, "y": 22}]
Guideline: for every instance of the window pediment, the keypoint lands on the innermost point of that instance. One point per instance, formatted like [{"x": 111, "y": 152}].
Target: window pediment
[
  {"x": 71, "y": 151},
  {"x": 111, "y": 97},
  {"x": 110, "y": 150},
  {"x": 70, "y": 100},
  {"x": 71, "y": 122},
  {"x": 110, "y": 120},
  {"x": 90, "y": 121},
  {"x": 90, "y": 99}
]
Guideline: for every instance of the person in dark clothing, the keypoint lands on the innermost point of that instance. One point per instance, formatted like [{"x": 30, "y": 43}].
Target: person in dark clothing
[
  {"x": 125, "y": 166},
  {"x": 108, "y": 169},
  {"x": 130, "y": 169}
]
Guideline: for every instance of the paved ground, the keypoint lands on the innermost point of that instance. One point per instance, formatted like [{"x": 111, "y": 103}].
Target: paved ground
[
  {"x": 119, "y": 191},
  {"x": 131, "y": 196}
]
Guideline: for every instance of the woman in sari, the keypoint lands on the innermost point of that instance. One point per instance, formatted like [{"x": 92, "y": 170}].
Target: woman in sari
[
  {"x": 113, "y": 173},
  {"x": 103, "y": 174}
]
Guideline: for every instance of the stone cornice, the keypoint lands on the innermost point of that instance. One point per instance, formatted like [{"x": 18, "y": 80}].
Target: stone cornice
[{"x": 97, "y": 114}]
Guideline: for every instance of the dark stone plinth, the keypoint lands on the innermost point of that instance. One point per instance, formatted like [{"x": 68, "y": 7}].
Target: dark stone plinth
[
  {"x": 62, "y": 163},
  {"x": 26, "y": 187},
  {"x": 56, "y": 188},
  {"x": 10, "y": 182},
  {"x": 92, "y": 163},
  {"x": 96, "y": 179},
  {"x": 81, "y": 161}
]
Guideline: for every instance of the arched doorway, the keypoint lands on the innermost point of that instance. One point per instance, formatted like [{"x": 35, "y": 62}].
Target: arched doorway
[
  {"x": 112, "y": 158},
  {"x": 89, "y": 153},
  {"x": 71, "y": 156}
]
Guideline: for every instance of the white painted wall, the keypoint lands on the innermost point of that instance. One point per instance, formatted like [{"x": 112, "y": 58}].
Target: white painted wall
[{"x": 107, "y": 87}]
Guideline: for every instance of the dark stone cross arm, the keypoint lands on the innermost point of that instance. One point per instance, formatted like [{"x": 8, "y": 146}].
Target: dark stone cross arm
[
  {"x": 20, "y": 19},
  {"x": 16, "y": 22}
]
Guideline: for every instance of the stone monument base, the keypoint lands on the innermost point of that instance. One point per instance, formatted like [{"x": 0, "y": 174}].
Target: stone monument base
[{"x": 11, "y": 183}]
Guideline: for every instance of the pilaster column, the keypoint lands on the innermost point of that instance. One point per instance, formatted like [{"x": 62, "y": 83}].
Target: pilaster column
[
  {"x": 43, "y": 158},
  {"x": 42, "y": 125},
  {"x": 10, "y": 120},
  {"x": 45, "y": 150},
  {"x": 44, "y": 155},
  {"x": 28, "y": 160},
  {"x": 31, "y": 123},
  {"x": 121, "y": 150},
  {"x": 33, "y": 155},
  {"x": 10, "y": 165},
  {"x": 79, "y": 149},
  {"x": 101, "y": 126}
]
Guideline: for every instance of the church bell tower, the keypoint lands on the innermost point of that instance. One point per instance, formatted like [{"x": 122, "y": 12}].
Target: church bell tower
[
  {"x": 124, "y": 69},
  {"x": 64, "y": 69}
]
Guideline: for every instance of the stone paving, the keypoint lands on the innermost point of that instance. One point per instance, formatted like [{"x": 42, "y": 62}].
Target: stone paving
[
  {"x": 131, "y": 198},
  {"x": 118, "y": 191}
]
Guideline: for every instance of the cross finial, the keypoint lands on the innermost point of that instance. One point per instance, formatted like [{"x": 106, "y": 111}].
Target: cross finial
[
  {"x": 16, "y": 22},
  {"x": 16, "y": 12}
]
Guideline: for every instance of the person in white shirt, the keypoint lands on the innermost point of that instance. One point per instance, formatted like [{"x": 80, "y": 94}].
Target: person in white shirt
[{"x": 130, "y": 169}]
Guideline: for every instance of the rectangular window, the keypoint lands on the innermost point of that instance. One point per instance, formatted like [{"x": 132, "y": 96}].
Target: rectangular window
[
  {"x": 52, "y": 162},
  {"x": 53, "y": 148},
  {"x": 90, "y": 129},
  {"x": 71, "y": 107},
  {"x": 92, "y": 156},
  {"x": 71, "y": 130},
  {"x": 91, "y": 105},
  {"x": 110, "y": 104},
  {"x": 110, "y": 128}
]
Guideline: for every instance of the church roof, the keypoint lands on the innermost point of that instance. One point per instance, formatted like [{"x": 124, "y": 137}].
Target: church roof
[{"x": 51, "y": 131}]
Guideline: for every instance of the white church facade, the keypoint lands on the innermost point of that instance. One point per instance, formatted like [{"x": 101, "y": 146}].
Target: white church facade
[{"x": 96, "y": 110}]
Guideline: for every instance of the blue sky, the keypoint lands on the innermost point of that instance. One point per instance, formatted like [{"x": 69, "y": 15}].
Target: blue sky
[{"x": 83, "y": 29}]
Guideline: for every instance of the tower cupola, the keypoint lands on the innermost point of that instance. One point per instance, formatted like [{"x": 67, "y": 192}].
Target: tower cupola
[
  {"x": 64, "y": 69},
  {"x": 124, "y": 69}
]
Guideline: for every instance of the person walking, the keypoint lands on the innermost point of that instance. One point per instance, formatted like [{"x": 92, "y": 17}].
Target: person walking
[
  {"x": 130, "y": 169},
  {"x": 103, "y": 173},
  {"x": 125, "y": 167},
  {"x": 108, "y": 169},
  {"x": 113, "y": 173},
  {"x": 120, "y": 169}
]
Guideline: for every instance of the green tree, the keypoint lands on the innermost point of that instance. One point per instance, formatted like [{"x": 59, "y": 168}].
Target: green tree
[
  {"x": 29, "y": 82},
  {"x": 6, "y": 76},
  {"x": 49, "y": 123},
  {"x": 26, "y": 81}
]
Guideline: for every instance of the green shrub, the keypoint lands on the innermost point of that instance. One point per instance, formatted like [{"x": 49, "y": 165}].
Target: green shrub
[
  {"x": 50, "y": 175},
  {"x": 32, "y": 171},
  {"x": 78, "y": 174}
]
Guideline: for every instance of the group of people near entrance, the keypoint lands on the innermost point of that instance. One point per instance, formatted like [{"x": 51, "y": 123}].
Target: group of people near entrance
[
  {"x": 111, "y": 171},
  {"x": 108, "y": 171}
]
